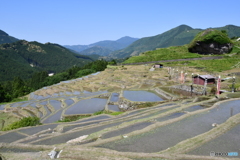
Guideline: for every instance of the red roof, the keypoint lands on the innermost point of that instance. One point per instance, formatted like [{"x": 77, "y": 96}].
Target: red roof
[{"x": 205, "y": 76}]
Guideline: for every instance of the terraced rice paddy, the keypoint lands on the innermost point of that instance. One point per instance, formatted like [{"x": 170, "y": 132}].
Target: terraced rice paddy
[{"x": 183, "y": 128}]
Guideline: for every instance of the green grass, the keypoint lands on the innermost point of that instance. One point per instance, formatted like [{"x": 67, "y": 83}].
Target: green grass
[
  {"x": 107, "y": 112},
  {"x": 208, "y": 65},
  {"x": 20, "y": 99},
  {"x": 116, "y": 113},
  {"x": 78, "y": 117},
  {"x": 73, "y": 118},
  {"x": 174, "y": 52}
]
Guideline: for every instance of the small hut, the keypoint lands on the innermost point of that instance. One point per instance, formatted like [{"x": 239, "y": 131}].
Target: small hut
[
  {"x": 200, "y": 80},
  {"x": 158, "y": 66}
]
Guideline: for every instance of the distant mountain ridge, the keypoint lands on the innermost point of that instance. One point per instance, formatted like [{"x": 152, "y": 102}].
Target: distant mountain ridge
[
  {"x": 102, "y": 48},
  {"x": 180, "y": 35},
  {"x": 5, "y": 38}
]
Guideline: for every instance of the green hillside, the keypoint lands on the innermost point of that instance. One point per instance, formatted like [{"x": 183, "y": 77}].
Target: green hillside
[
  {"x": 5, "y": 38},
  {"x": 174, "y": 52},
  {"x": 96, "y": 50},
  {"x": 22, "y": 58},
  {"x": 181, "y": 52},
  {"x": 180, "y": 35}
]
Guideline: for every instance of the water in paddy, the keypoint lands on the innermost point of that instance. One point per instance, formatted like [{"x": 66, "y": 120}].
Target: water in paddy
[
  {"x": 87, "y": 106},
  {"x": 36, "y": 129},
  {"x": 114, "y": 97},
  {"x": 11, "y": 137},
  {"x": 113, "y": 107},
  {"x": 141, "y": 96},
  {"x": 33, "y": 104},
  {"x": 2, "y": 107},
  {"x": 126, "y": 130},
  {"x": 86, "y": 92},
  {"x": 194, "y": 108},
  {"x": 68, "y": 93},
  {"x": 171, "y": 116},
  {"x": 167, "y": 136},
  {"x": 48, "y": 111},
  {"x": 153, "y": 114},
  {"x": 170, "y": 104},
  {"x": 54, "y": 118},
  {"x": 17, "y": 104},
  {"x": 17, "y": 150},
  {"x": 69, "y": 102},
  {"x": 43, "y": 103},
  {"x": 56, "y": 104},
  {"x": 95, "y": 73},
  {"x": 228, "y": 142},
  {"x": 66, "y": 137},
  {"x": 95, "y": 118},
  {"x": 76, "y": 92},
  {"x": 26, "y": 104}
]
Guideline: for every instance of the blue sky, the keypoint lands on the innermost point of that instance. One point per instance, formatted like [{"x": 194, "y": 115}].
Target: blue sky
[{"x": 72, "y": 22}]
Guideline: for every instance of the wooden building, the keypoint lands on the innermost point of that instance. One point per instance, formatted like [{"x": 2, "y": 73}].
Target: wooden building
[
  {"x": 158, "y": 66},
  {"x": 201, "y": 79}
]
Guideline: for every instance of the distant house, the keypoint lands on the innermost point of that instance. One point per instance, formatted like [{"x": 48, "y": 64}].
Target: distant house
[
  {"x": 158, "y": 66},
  {"x": 201, "y": 79},
  {"x": 50, "y": 74}
]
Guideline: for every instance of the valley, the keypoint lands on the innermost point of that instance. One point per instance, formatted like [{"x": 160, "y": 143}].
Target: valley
[{"x": 166, "y": 103}]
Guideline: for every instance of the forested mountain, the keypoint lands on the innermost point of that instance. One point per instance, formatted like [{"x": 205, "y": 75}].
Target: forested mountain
[
  {"x": 103, "y": 47},
  {"x": 102, "y": 51},
  {"x": 22, "y": 58},
  {"x": 180, "y": 35},
  {"x": 5, "y": 38}
]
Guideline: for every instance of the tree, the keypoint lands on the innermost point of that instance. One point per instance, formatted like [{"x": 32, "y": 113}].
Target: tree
[{"x": 2, "y": 94}]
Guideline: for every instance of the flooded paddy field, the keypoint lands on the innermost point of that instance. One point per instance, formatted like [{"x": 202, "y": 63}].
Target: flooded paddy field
[
  {"x": 101, "y": 117},
  {"x": 164, "y": 137},
  {"x": 36, "y": 129},
  {"x": 56, "y": 104},
  {"x": 53, "y": 118},
  {"x": 113, "y": 107},
  {"x": 11, "y": 137},
  {"x": 87, "y": 106},
  {"x": 194, "y": 108},
  {"x": 141, "y": 96},
  {"x": 69, "y": 102},
  {"x": 2, "y": 107},
  {"x": 228, "y": 142},
  {"x": 126, "y": 130},
  {"x": 66, "y": 137},
  {"x": 114, "y": 97}
]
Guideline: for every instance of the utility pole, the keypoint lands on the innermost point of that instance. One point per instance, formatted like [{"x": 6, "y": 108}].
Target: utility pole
[
  {"x": 233, "y": 82},
  {"x": 176, "y": 75},
  {"x": 218, "y": 85},
  {"x": 181, "y": 78},
  {"x": 185, "y": 77},
  {"x": 205, "y": 87}
]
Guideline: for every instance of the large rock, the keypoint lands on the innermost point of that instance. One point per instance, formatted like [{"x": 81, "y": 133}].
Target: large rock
[
  {"x": 211, "y": 41},
  {"x": 211, "y": 48}
]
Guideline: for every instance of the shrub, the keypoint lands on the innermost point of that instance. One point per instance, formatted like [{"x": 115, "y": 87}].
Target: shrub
[{"x": 24, "y": 122}]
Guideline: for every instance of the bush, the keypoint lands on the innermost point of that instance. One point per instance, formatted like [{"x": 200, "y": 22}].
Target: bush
[
  {"x": 213, "y": 90},
  {"x": 24, "y": 122}
]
